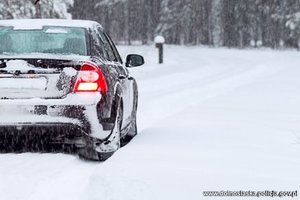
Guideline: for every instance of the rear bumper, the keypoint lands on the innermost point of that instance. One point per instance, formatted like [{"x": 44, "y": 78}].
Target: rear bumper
[{"x": 76, "y": 114}]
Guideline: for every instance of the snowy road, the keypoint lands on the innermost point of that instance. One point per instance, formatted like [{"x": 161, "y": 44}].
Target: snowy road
[{"x": 209, "y": 119}]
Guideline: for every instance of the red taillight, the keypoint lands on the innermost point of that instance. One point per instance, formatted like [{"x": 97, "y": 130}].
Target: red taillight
[{"x": 90, "y": 79}]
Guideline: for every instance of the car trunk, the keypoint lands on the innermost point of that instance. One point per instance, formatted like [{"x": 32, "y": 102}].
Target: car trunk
[{"x": 37, "y": 78}]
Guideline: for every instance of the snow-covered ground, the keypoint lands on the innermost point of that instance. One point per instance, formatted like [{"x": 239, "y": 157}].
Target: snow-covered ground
[{"x": 209, "y": 119}]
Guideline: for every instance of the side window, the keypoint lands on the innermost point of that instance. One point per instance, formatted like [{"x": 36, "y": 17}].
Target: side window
[
  {"x": 107, "y": 47},
  {"x": 97, "y": 44},
  {"x": 114, "y": 49}
]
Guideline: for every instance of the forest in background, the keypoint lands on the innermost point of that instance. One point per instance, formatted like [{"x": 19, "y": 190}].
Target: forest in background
[{"x": 230, "y": 23}]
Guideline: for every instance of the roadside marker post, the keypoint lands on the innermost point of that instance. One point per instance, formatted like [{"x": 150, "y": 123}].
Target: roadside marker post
[{"x": 159, "y": 43}]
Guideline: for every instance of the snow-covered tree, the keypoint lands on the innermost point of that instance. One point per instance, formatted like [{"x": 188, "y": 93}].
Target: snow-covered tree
[
  {"x": 15, "y": 9},
  {"x": 216, "y": 17},
  {"x": 232, "y": 23}
]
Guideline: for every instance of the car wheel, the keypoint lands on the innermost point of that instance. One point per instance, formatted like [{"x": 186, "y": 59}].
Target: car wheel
[
  {"x": 104, "y": 150},
  {"x": 113, "y": 143}
]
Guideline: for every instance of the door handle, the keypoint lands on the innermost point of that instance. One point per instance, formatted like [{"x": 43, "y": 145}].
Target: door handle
[{"x": 122, "y": 77}]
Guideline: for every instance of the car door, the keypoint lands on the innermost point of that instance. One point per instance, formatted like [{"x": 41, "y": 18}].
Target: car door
[
  {"x": 115, "y": 63},
  {"x": 130, "y": 79}
]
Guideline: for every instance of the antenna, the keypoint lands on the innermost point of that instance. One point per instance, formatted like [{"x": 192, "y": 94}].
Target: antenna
[{"x": 36, "y": 1}]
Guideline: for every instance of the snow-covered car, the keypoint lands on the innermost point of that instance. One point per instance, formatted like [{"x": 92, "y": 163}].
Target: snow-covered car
[{"x": 64, "y": 82}]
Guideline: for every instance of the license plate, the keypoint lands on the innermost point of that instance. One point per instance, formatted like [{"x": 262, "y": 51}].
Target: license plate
[{"x": 23, "y": 83}]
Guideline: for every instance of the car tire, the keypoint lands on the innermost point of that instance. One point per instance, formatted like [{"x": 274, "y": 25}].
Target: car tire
[
  {"x": 118, "y": 124},
  {"x": 92, "y": 153}
]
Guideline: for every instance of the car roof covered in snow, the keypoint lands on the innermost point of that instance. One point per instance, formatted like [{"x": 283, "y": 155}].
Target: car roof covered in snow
[{"x": 40, "y": 23}]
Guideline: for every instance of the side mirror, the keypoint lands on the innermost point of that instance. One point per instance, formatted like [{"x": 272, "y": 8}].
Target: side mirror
[{"x": 134, "y": 60}]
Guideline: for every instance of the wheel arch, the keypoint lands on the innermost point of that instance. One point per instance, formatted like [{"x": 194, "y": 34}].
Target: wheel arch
[{"x": 117, "y": 96}]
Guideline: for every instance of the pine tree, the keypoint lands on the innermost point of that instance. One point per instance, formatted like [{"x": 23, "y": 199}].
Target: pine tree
[{"x": 15, "y": 9}]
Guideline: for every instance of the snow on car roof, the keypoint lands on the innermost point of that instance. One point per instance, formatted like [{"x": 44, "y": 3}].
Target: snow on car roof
[{"x": 39, "y": 23}]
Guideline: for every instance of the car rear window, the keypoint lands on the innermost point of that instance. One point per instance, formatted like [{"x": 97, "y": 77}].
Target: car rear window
[{"x": 55, "y": 40}]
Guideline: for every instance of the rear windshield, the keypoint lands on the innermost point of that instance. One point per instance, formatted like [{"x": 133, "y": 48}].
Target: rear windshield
[{"x": 57, "y": 40}]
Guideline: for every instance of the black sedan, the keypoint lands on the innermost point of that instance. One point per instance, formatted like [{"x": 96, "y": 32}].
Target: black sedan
[{"x": 64, "y": 82}]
